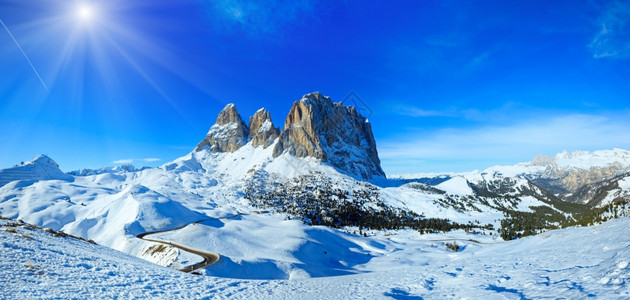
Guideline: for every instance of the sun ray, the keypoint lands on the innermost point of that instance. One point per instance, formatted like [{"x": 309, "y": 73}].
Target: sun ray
[{"x": 144, "y": 75}]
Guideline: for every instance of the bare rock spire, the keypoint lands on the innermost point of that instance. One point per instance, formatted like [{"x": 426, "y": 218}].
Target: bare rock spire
[
  {"x": 336, "y": 134},
  {"x": 228, "y": 134},
  {"x": 261, "y": 129}
]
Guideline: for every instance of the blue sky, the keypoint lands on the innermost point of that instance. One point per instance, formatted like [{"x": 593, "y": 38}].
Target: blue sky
[{"x": 447, "y": 85}]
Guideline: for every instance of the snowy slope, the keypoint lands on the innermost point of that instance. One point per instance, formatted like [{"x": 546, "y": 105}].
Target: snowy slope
[
  {"x": 571, "y": 263},
  {"x": 112, "y": 208}
]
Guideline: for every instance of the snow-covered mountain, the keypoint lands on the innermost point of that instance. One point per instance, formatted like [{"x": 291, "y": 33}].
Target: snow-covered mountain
[
  {"x": 332, "y": 133},
  {"x": 585, "y": 177},
  {"x": 594, "y": 178},
  {"x": 247, "y": 184}
]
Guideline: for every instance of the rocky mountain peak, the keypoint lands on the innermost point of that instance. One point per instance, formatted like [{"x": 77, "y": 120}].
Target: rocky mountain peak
[
  {"x": 336, "y": 134},
  {"x": 228, "y": 115},
  {"x": 261, "y": 129},
  {"x": 228, "y": 134},
  {"x": 315, "y": 127},
  {"x": 543, "y": 160}
]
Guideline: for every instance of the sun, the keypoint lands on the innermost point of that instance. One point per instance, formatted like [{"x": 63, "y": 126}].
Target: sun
[{"x": 85, "y": 12}]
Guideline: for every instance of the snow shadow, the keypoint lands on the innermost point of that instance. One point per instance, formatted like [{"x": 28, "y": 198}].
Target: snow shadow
[
  {"x": 330, "y": 254},
  {"x": 260, "y": 269},
  {"x": 322, "y": 254},
  {"x": 401, "y": 294},
  {"x": 500, "y": 289},
  {"x": 216, "y": 223}
]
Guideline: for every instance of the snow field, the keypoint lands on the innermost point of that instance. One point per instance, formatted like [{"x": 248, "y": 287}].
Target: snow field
[{"x": 570, "y": 263}]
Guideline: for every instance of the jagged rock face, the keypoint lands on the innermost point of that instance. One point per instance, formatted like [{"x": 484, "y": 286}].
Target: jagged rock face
[
  {"x": 298, "y": 136},
  {"x": 603, "y": 192},
  {"x": 261, "y": 129},
  {"x": 574, "y": 180},
  {"x": 228, "y": 134},
  {"x": 337, "y": 134},
  {"x": 315, "y": 127}
]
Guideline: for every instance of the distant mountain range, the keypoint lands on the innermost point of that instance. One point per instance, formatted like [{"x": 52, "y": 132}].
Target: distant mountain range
[
  {"x": 116, "y": 169},
  {"x": 594, "y": 178}
]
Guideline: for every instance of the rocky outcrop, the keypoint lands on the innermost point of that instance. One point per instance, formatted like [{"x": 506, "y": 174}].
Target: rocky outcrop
[
  {"x": 334, "y": 133},
  {"x": 228, "y": 134},
  {"x": 261, "y": 129}
]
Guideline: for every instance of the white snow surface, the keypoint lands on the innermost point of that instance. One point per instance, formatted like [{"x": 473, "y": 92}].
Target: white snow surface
[
  {"x": 319, "y": 262},
  {"x": 572, "y": 263},
  {"x": 457, "y": 185},
  {"x": 527, "y": 202}
]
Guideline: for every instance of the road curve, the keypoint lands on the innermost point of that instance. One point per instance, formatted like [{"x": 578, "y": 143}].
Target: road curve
[
  {"x": 208, "y": 257},
  {"x": 463, "y": 240}
]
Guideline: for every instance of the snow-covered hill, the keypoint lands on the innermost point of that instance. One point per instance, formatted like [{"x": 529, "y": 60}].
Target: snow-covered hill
[
  {"x": 40, "y": 167},
  {"x": 573, "y": 263}
]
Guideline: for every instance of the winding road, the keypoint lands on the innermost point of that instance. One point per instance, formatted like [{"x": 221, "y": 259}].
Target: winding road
[{"x": 208, "y": 257}]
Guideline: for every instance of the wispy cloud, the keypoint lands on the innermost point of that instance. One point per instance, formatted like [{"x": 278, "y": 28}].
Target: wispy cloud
[
  {"x": 123, "y": 161},
  {"x": 261, "y": 17},
  {"x": 509, "y": 143},
  {"x": 127, "y": 161},
  {"x": 479, "y": 60},
  {"x": 414, "y": 111},
  {"x": 613, "y": 37},
  {"x": 498, "y": 114}
]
